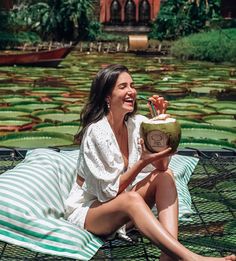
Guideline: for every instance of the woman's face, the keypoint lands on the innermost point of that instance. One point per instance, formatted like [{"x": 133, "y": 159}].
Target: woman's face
[{"x": 123, "y": 96}]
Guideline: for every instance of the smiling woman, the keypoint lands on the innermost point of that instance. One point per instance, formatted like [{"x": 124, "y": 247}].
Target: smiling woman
[{"x": 118, "y": 180}]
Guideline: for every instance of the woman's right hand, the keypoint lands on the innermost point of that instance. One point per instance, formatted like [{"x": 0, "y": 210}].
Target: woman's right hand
[{"x": 148, "y": 157}]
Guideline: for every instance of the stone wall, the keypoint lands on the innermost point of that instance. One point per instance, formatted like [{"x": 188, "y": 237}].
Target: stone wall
[{"x": 96, "y": 4}]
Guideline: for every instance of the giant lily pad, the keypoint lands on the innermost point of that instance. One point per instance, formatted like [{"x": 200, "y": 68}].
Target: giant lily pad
[
  {"x": 224, "y": 104},
  {"x": 12, "y": 112},
  {"x": 14, "y": 121},
  {"x": 221, "y": 120},
  {"x": 74, "y": 107},
  {"x": 17, "y": 98},
  {"x": 49, "y": 91},
  {"x": 207, "y": 131},
  {"x": 36, "y": 139},
  {"x": 68, "y": 127},
  {"x": 205, "y": 143},
  {"x": 182, "y": 112},
  {"x": 227, "y": 110},
  {"x": 37, "y": 105},
  {"x": 57, "y": 115}
]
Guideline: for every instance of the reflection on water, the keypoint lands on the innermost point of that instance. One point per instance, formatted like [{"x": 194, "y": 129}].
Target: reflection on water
[{"x": 40, "y": 106}]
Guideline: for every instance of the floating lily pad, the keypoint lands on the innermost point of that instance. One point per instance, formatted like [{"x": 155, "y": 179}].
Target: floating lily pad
[
  {"x": 68, "y": 127},
  {"x": 208, "y": 131},
  {"x": 50, "y": 91},
  {"x": 224, "y": 104},
  {"x": 205, "y": 143},
  {"x": 36, "y": 139},
  {"x": 66, "y": 99},
  {"x": 221, "y": 120},
  {"x": 57, "y": 115},
  {"x": 227, "y": 110},
  {"x": 37, "y": 105},
  {"x": 74, "y": 107},
  {"x": 12, "y": 121},
  {"x": 12, "y": 112},
  {"x": 183, "y": 121},
  {"x": 17, "y": 98},
  {"x": 181, "y": 112}
]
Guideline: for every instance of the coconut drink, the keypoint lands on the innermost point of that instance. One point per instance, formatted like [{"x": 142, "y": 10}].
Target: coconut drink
[{"x": 160, "y": 133}]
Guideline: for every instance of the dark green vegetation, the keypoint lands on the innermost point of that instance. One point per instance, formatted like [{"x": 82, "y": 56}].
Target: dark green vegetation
[
  {"x": 72, "y": 20},
  {"x": 52, "y": 20},
  {"x": 47, "y": 100},
  {"x": 180, "y": 18},
  {"x": 215, "y": 46}
]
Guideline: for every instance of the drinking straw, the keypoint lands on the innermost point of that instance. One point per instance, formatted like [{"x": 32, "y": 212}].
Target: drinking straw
[{"x": 153, "y": 109}]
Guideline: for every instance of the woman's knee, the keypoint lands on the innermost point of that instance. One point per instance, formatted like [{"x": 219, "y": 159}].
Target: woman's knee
[
  {"x": 132, "y": 199},
  {"x": 166, "y": 179}
]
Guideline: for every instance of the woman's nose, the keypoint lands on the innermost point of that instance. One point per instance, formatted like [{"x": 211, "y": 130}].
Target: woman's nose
[{"x": 131, "y": 90}]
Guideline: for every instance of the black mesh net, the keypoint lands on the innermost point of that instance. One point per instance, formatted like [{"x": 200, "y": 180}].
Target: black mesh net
[{"x": 211, "y": 229}]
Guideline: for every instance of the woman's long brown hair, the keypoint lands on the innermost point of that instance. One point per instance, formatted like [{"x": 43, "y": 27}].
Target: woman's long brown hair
[{"x": 96, "y": 106}]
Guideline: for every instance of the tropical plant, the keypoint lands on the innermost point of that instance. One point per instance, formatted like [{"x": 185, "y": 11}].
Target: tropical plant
[
  {"x": 55, "y": 19},
  {"x": 179, "y": 18},
  {"x": 215, "y": 46}
]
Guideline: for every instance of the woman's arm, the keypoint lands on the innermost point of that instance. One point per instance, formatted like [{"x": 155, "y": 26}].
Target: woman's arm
[
  {"x": 162, "y": 164},
  {"x": 145, "y": 159}
]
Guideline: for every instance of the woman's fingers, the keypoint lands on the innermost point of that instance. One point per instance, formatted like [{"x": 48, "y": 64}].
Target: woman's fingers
[
  {"x": 159, "y": 103},
  {"x": 163, "y": 116},
  {"x": 165, "y": 105},
  {"x": 141, "y": 142},
  {"x": 162, "y": 154}
]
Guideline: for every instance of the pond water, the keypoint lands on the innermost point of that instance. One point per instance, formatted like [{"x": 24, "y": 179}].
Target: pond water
[{"x": 40, "y": 107}]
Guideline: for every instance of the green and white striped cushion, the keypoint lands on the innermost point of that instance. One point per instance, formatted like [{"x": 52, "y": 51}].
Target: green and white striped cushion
[
  {"x": 32, "y": 197},
  {"x": 32, "y": 203},
  {"x": 183, "y": 167}
]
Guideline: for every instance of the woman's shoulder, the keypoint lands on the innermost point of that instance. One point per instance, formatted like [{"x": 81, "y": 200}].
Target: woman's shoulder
[{"x": 98, "y": 128}]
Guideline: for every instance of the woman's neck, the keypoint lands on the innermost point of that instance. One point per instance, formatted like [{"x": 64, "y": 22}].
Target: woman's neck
[{"x": 117, "y": 123}]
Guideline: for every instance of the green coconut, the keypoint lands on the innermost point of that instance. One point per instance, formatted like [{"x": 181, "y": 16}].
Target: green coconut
[{"x": 158, "y": 134}]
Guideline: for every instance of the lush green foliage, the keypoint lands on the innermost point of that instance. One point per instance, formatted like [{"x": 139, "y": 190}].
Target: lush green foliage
[
  {"x": 13, "y": 39},
  {"x": 54, "y": 19},
  {"x": 215, "y": 46},
  {"x": 179, "y": 18}
]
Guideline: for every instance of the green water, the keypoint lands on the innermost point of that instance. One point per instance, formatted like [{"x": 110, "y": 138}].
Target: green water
[{"x": 36, "y": 103}]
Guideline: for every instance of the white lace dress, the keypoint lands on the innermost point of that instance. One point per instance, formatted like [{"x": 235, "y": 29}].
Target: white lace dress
[{"x": 101, "y": 164}]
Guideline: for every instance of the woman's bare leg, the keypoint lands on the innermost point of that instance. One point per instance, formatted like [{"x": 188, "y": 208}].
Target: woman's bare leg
[
  {"x": 160, "y": 187},
  {"x": 104, "y": 218}
]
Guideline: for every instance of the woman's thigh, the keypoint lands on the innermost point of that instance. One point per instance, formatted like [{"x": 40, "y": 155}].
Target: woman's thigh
[{"x": 105, "y": 218}]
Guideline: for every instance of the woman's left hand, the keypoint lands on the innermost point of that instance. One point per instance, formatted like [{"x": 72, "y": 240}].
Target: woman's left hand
[{"x": 159, "y": 103}]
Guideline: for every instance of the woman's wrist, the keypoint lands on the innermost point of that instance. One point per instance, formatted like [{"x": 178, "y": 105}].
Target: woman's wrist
[{"x": 162, "y": 164}]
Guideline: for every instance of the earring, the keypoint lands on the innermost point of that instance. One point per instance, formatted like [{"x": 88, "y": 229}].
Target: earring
[{"x": 108, "y": 105}]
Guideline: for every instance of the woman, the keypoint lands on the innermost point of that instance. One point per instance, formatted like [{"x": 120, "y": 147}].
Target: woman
[{"x": 118, "y": 181}]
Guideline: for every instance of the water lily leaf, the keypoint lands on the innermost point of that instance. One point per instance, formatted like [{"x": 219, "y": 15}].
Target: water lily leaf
[
  {"x": 36, "y": 105},
  {"x": 35, "y": 139},
  {"x": 14, "y": 121},
  {"x": 221, "y": 120},
  {"x": 68, "y": 127},
  {"x": 205, "y": 143},
  {"x": 12, "y": 112},
  {"x": 17, "y": 98},
  {"x": 57, "y": 115},
  {"x": 208, "y": 131}
]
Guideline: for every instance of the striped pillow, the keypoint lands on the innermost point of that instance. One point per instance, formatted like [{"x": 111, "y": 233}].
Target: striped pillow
[
  {"x": 32, "y": 204},
  {"x": 183, "y": 167}
]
